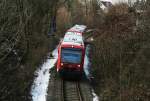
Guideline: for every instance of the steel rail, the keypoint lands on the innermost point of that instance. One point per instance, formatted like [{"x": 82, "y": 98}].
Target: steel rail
[
  {"x": 62, "y": 90},
  {"x": 79, "y": 91},
  {"x": 70, "y": 90}
]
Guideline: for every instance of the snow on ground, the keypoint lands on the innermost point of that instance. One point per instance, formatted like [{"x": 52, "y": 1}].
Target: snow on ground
[
  {"x": 40, "y": 85},
  {"x": 86, "y": 62},
  {"x": 95, "y": 97},
  {"x": 87, "y": 66}
]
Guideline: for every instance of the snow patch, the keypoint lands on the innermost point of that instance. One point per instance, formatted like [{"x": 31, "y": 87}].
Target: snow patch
[
  {"x": 40, "y": 85},
  {"x": 87, "y": 66},
  {"x": 87, "y": 63},
  {"x": 95, "y": 97}
]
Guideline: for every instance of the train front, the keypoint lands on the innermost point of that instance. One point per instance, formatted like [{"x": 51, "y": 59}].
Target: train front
[{"x": 71, "y": 56}]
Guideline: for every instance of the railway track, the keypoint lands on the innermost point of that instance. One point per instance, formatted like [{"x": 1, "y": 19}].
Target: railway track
[
  {"x": 62, "y": 90},
  {"x": 70, "y": 91}
]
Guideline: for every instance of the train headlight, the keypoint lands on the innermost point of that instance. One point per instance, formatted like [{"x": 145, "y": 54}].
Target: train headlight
[
  {"x": 62, "y": 64},
  {"x": 78, "y": 65}
]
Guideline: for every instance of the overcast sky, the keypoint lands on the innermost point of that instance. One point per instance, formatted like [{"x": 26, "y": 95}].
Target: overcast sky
[{"x": 116, "y": 1}]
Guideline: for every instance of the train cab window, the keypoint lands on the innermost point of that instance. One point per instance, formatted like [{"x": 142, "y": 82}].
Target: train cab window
[{"x": 71, "y": 55}]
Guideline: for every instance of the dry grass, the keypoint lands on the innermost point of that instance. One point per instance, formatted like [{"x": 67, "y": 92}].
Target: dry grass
[{"x": 63, "y": 20}]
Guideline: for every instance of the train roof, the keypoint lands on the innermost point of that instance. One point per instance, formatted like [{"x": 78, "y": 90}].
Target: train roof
[
  {"x": 78, "y": 28},
  {"x": 73, "y": 38}
]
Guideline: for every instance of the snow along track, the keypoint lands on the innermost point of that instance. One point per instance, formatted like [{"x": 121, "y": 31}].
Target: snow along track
[
  {"x": 41, "y": 82},
  {"x": 87, "y": 66},
  {"x": 40, "y": 85}
]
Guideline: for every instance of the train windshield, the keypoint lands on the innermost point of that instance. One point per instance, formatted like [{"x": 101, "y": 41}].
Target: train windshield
[{"x": 71, "y": 55}]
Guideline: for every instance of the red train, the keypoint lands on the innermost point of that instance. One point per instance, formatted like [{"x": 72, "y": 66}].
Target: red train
[{"x": 71, "y": 52}]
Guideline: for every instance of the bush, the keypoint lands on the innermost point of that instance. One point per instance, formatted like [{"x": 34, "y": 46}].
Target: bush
[
  {"x": 118, "y": 68},
  {"x": 24, "y": 28}
]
